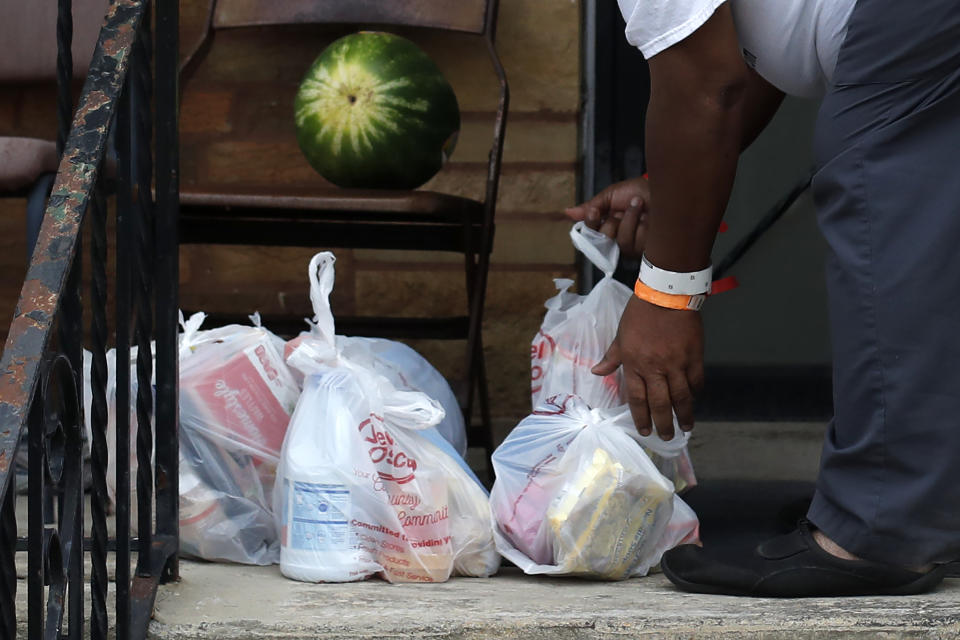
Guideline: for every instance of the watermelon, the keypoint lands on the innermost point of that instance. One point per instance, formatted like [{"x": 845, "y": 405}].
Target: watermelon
[{"x": 374, "y": 111}]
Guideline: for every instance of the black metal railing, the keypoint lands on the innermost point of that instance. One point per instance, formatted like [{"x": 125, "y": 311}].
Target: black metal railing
[{"x": 118, "y": 170}]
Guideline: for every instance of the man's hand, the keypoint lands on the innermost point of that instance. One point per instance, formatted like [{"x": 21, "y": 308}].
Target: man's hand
[
  {"x": 662, "y": 355},
  {"x": 620, "y": 213}
]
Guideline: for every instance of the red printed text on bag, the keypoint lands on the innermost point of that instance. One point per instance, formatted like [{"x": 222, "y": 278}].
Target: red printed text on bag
[
  {"x": 386, "y": 452},
  {"x": 540, "y": 351}
]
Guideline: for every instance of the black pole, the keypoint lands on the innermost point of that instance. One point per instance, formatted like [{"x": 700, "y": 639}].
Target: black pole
[
  {"x": 167, "y": 274},
  {"x": 763, "y": 225}
]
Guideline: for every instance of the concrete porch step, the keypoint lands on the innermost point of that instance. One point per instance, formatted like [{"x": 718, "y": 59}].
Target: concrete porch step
[
  {"x": 749, "y": 473},
  {"x": 254, "y": 603},
  {"x": 230, "y": 602}
]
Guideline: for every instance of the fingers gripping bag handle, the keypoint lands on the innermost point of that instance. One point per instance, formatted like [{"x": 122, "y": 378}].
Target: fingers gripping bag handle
[
  {"x": 600, "y": 250},
  {"x": 666, "y": 448}
]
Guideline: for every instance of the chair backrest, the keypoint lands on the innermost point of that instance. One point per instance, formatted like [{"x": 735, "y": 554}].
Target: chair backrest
[
  {"x": 457, "y": 15},
  {"x": 28, "y": 38}
]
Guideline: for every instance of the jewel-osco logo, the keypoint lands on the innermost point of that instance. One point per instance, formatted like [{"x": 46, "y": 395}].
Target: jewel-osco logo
[
  {"x": 393, "y": 464},
  {"x": 542, "y": 348}
]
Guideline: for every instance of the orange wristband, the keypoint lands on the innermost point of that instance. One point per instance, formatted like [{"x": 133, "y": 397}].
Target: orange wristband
[{"x": 668, "y": 300}]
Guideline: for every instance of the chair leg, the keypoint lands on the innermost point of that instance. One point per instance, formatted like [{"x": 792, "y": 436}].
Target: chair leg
[
  {"x": 36, "y": 204},
  {"x": 483, "y": 399},
  {"x": 470, "y": 270},
  {"x": 477, "y": 388}
]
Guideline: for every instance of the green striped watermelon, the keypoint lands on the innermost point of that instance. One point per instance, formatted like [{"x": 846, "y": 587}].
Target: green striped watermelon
[{"x": 374, "y": 111}]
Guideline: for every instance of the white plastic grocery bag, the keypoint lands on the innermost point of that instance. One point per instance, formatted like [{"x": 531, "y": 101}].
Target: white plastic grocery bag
[
  {"x": 576, "y": 333},
  {"x": 224, "y": 507},
  {"x": 235, "y": 387},
  {"x": 671, "y": 458},
  {"x": 577, "y": 330},
  {"x": 575, "y": 494},
  {"x": 364, "y": 487},
  {"x": 224, "y": 513},
  {"x": 407, "y": 369},
  {"x": 400, "y": 364},
  {"x": 361, "y": 492}
]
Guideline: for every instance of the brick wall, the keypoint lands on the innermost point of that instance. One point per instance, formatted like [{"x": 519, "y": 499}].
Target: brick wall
[{"x": 236, "y": 128}]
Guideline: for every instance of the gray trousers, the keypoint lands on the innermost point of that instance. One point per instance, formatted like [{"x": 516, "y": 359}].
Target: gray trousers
[{"x": 887, "y": 192}]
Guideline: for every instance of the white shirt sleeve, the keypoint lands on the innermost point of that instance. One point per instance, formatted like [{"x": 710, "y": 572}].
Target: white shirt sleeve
[{"x": 654, "y": 25}]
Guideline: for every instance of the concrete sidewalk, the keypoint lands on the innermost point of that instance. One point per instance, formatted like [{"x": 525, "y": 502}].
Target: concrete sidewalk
[{"x": 246, "y": 603}]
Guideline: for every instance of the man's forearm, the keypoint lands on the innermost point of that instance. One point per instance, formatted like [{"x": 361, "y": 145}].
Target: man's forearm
[
  {"x": 693, "y": 143},
  {"x": 695, "y": 129}
]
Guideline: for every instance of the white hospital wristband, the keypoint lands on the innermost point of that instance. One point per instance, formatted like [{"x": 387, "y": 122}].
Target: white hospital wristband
[{"x": 689, "y": 284}]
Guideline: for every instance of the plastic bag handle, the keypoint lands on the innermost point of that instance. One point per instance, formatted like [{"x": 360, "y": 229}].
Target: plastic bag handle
[
  {"x": 666, "y": 448},
  {"x": 412, "y": 410},
  {"x": 600, "y": 250},
  {"x": 405, "y": 409},
  {"x": 557, "y": 302},
  {"x": 191, "y": 327},
  {"x": 321, "y": 275}
]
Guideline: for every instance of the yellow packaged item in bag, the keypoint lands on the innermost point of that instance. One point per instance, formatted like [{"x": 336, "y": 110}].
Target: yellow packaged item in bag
[
  {"x": 576, "y": 494},
  {"x": 605, "y": 518}
]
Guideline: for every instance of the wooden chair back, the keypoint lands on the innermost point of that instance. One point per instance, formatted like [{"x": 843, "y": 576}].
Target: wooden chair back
[
  {"x": 472, "y": 17},
  {"x": 455, "y": 15}
]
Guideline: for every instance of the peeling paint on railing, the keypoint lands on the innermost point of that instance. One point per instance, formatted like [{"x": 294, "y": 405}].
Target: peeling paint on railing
[{"x": 40, "y": 296}]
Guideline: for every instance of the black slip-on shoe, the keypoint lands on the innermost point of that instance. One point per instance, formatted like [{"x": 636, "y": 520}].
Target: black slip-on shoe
[
  {"x": 952, "y": 569},
  {"x": 791, "y": 566},
  {"x": 792, "y": 512}
]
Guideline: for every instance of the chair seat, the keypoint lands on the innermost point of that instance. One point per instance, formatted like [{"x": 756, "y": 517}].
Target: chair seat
[
  {"x": 23, "y": 160},
  {"x": 329, "y": 203}
]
